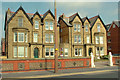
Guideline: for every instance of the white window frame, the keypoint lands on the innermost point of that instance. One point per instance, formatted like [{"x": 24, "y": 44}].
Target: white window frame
[
  {"x": 65, "y": 51},
  {"x": 51, "y": 51},
  {"x": 98, "y": 27},
  {"x": 51, "y": 25},
  {"x": 101, "y": 40},
  {"x": 102, "y": 51},
  {"x": 75, "y": 27},
  {"x": 97, "y": 51},
  {"x": 46, "y": 25},
  {"x": 35, "y": 37},
  {"x": 26, "y": 51},
  {"x": 88, "y": 39},
  {"x": 77, "y": 52},
  {"x": 36, "y": 24},
  {"x": 51, "y": 38},
  {"x": 80, "y": 52},
  {"x": 48, "y": 52},
  {"x": 75, "y": 38},
  {"x": 47, "y": 38},
  {"x": 78, "y": 27},
  {"x": 15, "y": 52},
  {"x": 97, "y": 39},
  {"x": 21, "y": 51},
  {"x": 79, "y": 39},
  {"x": 15, "y": 36},
  {"x": 18, "y": 36}
]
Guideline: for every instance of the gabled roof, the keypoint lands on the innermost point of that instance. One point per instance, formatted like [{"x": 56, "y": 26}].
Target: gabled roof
[
  {"x": 85, "y": 18},
  {"x": 20, "y": 8},
  {"x": 117, "y": 23},
  {"x": 71, "y": 18},
  {"x": 44, "y": 15},
  {"x": 108, "y": 26},
  {"x": 67, "y": 23},
  {"x": 37, "y": 13},
  {"x": 94, "y": 19}
]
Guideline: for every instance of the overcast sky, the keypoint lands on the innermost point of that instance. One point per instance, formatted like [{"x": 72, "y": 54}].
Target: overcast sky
[{"x": 108, "y": 11}]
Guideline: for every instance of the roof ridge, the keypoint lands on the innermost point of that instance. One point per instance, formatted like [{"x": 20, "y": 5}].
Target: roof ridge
[
  {"x": 93, "y": 17},
  {"x": 73, "y": 15}
]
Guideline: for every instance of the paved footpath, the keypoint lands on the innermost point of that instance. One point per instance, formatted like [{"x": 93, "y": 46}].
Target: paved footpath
[{"x": 64, "y": 72}]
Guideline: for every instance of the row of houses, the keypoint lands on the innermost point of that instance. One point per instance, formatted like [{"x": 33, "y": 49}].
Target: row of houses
[{"x": 32, "y": 35}]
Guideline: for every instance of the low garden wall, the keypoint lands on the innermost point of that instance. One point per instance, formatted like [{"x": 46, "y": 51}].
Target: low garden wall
[
  {"x": 116, "y": 60},
  {"x": 9, "y": 65}
]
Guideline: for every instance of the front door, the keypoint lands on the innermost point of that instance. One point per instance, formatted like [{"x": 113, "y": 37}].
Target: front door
[
  {"x": 90, "y": 50},
  {"x": 36, "y": 53}
]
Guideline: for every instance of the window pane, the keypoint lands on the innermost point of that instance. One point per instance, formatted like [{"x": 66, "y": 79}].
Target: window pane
[
  {"x": 75, "y": 39},
  {"x": 79, "y": 39},
  {"x": 86, "y": 28},
  {"x": 88, "y": 39},
  {"x": 15, "y": 51},
  {"x": 51, "y": 38},
  {"x": 97, "y": 51},
  {"x": 47, "y": 52},
  {"x": 98, "y": 27},
  {"x": 20, "y": 51},
  {"x": 97, "y": 39},
  {"x": 20, "y": 22},
  {"x": 101, "y": 51},
  {"x": 80, "y": 52},
  {"x": 15, "y": 37},
  {"x": 46, "y": 38},
  {"x": 51, "y": 25},
  {"x": 36, "y": 25},
  {"x": 25, "y": 51},
  {"x": 78, "y": 28},
  {"x": 66, "y": 51},
  {"x": 46, "y": 25},
  {"x": 76, "y": 52},
  {"x": 52, "y": 52},
  {"x": 101, "y": 39},
  {"x": 21, "y": 37},
  {"x": 35, "y": 37},
  {"x": 75, "y": 27}
]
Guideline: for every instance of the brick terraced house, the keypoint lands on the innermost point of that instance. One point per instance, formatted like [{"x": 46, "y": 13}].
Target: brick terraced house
[
  {"x": 79, "y": 37},
  {"x": 113, "y": 38},
  {"x": 32, "y": 35}
]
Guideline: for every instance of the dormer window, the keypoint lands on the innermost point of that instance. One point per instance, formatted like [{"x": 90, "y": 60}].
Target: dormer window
[
  {"x": 20, "y": 22},
  {"x": 98, "y": 27},
  {"x": 36, "y": 24}
]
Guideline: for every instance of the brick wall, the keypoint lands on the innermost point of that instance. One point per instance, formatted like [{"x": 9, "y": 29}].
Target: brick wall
[
  {"x": 116, "y": 60},
  {"x": 43, "y": 64}
]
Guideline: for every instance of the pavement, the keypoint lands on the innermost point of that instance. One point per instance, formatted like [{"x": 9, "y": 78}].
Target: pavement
[{"x": 102, "y": 70}]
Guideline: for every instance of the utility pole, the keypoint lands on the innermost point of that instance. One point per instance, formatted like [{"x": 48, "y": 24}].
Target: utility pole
[{"x": 56, "y": 41}]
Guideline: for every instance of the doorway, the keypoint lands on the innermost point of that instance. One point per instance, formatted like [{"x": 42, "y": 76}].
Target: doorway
[{"x": 35, "y": 52}]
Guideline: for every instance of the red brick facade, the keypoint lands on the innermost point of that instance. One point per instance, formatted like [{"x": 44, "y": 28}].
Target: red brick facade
[{"x": 113, "y": 37}]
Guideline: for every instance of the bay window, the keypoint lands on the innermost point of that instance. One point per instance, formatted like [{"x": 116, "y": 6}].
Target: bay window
[
  {"x": 101, "y": 39},
  {"x": 15, "y": 37},
  {"x": 78, "y": 51},
  {"x": 15, "y": 51},
  {"x": 49, "y": 52},
  {"x": 97, "y": 39},
  {"x": 66, "y": 51},
  {"x": 20, "y": 51},
  {"x": 20, "y": 37}
]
